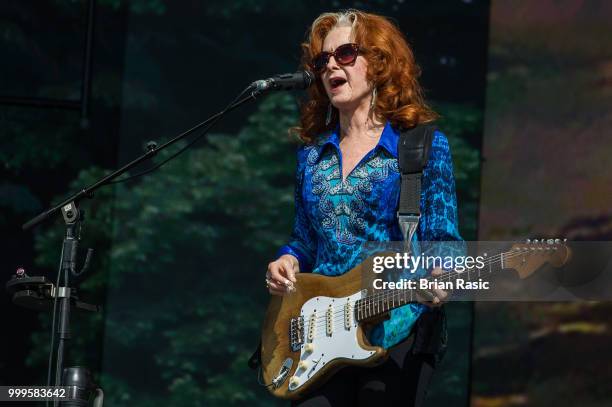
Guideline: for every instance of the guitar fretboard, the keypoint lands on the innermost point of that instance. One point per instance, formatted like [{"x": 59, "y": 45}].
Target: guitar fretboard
[{"x": 383, "y": 301}]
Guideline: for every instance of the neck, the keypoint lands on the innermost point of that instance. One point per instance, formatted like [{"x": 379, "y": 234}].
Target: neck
[
  {"x": 382, "y": 301},
  {"x": 358, "y": 123}
]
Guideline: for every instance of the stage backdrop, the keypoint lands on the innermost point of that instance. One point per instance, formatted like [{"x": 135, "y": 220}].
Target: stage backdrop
[
  {"x": 181, "y": 252},
  {"x": 547, "y": 174}
]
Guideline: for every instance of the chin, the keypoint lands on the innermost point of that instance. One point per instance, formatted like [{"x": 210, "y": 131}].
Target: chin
[{"x": 341, "y": 102}]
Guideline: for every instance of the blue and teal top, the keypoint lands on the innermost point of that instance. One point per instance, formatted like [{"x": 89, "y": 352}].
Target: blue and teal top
[{"x": 334, "y": 217}]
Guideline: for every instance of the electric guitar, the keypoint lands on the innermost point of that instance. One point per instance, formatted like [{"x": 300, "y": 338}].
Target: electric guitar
[{"x": 320, "y": 327}]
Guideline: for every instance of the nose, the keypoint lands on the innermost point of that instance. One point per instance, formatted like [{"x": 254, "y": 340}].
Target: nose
[{"x": 331, "y": 65}]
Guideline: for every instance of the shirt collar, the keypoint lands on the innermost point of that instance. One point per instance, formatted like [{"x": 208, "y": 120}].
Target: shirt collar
[{"x": 388, "y": 140}]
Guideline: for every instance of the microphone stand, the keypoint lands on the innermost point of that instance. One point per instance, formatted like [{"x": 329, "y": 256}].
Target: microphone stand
[{"x": 78, "y": 379}]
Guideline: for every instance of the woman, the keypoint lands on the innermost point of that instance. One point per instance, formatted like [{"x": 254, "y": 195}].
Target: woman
[{"x": 347, "y": 191}]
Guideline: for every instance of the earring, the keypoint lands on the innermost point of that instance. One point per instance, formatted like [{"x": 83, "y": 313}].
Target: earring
[
  {"x": 373, "y": 100},
  {"x": 328, "y": 116}
]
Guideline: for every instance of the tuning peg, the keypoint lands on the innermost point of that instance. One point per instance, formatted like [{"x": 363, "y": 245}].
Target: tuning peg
[
  {"x": 557, "y": 241},
  {"x": 536, "y": 241},
  {"x": 528, "y": 241},
  {"x": 550, "y": 241}
]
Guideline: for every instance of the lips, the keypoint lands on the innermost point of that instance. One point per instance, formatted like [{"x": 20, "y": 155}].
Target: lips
[{"x": 336, "y": 82}]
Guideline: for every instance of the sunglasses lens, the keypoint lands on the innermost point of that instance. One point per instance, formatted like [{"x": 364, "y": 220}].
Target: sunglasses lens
[
  {"x": 346, "y": 54},
  {"x": 320, "y": 61}
]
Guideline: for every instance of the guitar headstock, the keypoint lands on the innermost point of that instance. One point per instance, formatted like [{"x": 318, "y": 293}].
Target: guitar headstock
[{"x": 527, "y": 257}]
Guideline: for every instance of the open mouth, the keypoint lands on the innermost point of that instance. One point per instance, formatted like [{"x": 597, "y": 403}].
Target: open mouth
[{"x": 336, "y": 82}]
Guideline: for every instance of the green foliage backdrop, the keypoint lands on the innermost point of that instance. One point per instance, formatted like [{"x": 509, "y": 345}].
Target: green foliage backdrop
[{"x": 181, "y": 253}]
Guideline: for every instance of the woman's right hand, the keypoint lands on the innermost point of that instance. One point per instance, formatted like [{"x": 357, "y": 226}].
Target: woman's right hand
[{"x": 280, "y": 276}]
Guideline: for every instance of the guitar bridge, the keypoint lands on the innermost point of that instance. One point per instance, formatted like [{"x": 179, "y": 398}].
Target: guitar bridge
[{"x": 296, "y": 333}]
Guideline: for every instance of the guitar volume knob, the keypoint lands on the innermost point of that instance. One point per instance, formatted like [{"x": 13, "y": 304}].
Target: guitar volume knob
[
  {"x": 309, "y": 348},
  {"x": 293, "y": 382}
]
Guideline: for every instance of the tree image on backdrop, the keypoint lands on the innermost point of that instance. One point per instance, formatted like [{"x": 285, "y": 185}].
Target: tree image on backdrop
[{"x": 181, "y": 253}]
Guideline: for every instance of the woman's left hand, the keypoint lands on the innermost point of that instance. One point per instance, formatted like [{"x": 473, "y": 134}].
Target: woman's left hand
[{"x": 439, "y": 296}]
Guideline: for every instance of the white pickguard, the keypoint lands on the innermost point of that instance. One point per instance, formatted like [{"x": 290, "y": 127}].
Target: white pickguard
[{"x": 342, "y": 343}]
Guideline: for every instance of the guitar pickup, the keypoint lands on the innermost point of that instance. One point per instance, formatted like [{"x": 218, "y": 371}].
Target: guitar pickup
[
  {"x": 330, "y": 320},
  {"x": 347, "y": 315},
  {"x": 312, "y": 325}
]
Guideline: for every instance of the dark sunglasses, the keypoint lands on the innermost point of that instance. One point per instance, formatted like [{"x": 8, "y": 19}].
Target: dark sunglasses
[{"x": 345, "y": 54}]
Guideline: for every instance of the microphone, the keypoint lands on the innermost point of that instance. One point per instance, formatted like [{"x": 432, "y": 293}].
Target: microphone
[{"x": 285, "y": 81}]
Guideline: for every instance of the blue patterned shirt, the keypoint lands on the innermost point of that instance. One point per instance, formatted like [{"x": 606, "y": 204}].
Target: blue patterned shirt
[{"x": 333, "y": 218}]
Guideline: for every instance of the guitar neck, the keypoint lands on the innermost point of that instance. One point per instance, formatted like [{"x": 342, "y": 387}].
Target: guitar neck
[{"x": 383, "y": 301}]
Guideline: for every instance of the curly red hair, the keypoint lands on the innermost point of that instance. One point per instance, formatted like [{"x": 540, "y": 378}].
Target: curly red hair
[{"x": 391, "y": 68}]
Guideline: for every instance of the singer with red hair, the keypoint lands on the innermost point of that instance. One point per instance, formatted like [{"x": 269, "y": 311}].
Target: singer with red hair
[{"x": 347, "y": 193}]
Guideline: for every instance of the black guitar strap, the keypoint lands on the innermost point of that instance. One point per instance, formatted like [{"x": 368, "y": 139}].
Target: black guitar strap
[{"x": 413, "y": 152}]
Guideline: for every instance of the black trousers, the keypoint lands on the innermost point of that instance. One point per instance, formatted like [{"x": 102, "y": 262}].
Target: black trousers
[{"x": 401, "y": 380}]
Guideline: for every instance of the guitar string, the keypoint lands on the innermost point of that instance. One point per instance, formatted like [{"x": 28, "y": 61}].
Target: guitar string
[
  {"x": 374, "y": 300},
  {"x": 444, "y": 277},
  {"x": 452, "y": 274},
  {"x": 320, "y": 327}
]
